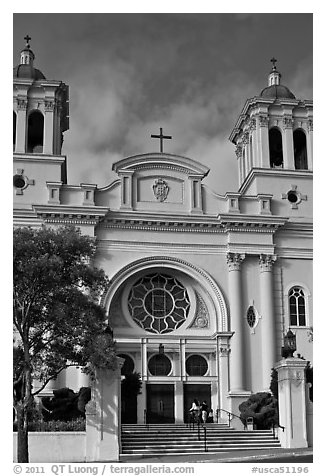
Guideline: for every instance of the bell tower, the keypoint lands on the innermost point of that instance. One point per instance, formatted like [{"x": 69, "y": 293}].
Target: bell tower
[
  {"x": 273, "y": 134},
  {"x": 40, "y": 117}
]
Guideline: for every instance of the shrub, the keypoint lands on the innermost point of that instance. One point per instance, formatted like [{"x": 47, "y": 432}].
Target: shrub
[
  {"x": 79, "y": 424},
  {"x": 262, "y": 407},
  {"x": 65, "y": 405}
]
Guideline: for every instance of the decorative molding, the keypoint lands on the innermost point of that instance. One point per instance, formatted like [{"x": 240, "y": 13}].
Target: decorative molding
[
  {"x": 201, "y": 319},
  {"x": 160, "y": 189},
  {"x": 266, "y": 262},
  {"x": 175, "y": 263},
  {"x": 234, "y": 261},
  {"x": 295, "y": 193},
  {"x": 159, "y": 225},
  {"x": 27, "y": 182}
]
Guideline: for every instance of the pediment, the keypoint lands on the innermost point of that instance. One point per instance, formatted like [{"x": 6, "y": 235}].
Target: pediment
[
  {"x": 154, "y": 161},
  {"x": 161, "y": 183}
]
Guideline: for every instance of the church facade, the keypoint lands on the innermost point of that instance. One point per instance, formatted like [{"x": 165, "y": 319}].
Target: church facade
[{"x": 203, "y": 286}]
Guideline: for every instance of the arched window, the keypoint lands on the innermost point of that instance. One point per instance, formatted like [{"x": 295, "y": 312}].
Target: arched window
[
  {"x": 128, "y": 365},
  {"x": 275, "y": 148},
  {"x": 14, "y": 129},
  {"x": 35, "y": 132},
  {"x": 300, "y": 149},
  {"x": 297, "y": 306}
]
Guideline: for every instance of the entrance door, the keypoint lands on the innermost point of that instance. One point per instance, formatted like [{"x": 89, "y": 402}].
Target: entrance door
[
  {"x": 200, "y": 392},
  {"x": 160, "y": 403}
]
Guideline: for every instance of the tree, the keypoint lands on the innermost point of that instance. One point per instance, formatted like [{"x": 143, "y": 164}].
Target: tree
[{"x": 58, "y": 321}]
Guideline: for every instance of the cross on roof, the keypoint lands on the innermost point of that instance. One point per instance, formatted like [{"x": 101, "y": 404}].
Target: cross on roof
[
  {"x": 28, "y": 39},
  {"x": 161, "y": 137},
  {"x": 273, "y": 60}
]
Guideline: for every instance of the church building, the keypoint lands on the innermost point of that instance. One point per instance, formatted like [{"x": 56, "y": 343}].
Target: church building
[{"x": 203, "y": 286}]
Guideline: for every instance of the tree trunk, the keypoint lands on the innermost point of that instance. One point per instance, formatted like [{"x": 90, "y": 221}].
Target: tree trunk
[{"x": 22, "y": 433}]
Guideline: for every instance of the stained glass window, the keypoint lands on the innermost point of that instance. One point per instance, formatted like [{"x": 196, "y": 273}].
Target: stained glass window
[{"x": 158, "y": 303}]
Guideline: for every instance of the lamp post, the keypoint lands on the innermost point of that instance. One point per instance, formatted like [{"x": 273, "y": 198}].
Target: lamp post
[{"x": 290, "y": 344}]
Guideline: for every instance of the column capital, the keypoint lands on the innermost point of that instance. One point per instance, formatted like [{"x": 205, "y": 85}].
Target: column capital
[
  {"x": 234, "y": 260},
  {"x": 238, "y": 151},
  {"x": 287, "y": 122},
  {"x": 263, "y": 121},
  {"x": 266, "y": 262}
]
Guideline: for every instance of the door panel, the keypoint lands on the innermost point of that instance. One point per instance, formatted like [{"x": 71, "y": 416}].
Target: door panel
[{"x": 160, "y": 403}]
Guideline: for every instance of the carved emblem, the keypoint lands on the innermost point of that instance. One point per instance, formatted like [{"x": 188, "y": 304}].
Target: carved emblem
[{"x": 160, "y": 189}]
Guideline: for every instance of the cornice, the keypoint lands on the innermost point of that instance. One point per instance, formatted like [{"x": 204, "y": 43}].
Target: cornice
[
  {"x": 251, "y": 223},
  {"x": 293, "y": 174},
  {"x": 77, "y": 215},
  {"x": 294, "y": 253},
  {"x": 41, "y": 158}
]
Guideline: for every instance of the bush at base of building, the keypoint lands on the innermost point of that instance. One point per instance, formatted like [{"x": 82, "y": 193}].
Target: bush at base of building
[
  {"x": 262, "y": 407},
  {"x": 78, "y": 424}
]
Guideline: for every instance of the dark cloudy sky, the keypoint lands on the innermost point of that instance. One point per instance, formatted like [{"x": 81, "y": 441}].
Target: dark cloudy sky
[{"x": 130, "y": 74}]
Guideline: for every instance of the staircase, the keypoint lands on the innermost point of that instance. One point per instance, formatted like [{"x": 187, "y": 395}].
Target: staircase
[{"x": 174, "y": 439}]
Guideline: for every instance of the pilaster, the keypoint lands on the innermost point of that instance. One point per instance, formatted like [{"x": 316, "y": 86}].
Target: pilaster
[
  {"x": 234, "y": 261},
  {"x": 288, "y": 148},
  {"x": 21, "y": 125}
]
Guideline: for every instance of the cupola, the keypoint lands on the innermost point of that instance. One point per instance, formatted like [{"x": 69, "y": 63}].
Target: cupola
[{"x": 26, "y": 68}]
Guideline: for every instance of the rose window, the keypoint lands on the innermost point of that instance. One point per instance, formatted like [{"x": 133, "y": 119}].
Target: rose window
[{"x": 158, "y": 303}]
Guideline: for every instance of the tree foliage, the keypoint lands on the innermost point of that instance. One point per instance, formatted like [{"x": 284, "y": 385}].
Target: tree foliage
[{"x": 58, "y": 321}]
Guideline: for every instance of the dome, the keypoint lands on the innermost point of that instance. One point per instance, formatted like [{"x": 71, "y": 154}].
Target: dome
[
  {"x": 277, "y": 91},
  {"x": 28, "y": 71}
]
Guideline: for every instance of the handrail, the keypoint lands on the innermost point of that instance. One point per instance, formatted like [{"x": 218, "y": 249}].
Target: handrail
[
  {"x": 192, "y": 421},
  {"x": 229, "y": 416}
]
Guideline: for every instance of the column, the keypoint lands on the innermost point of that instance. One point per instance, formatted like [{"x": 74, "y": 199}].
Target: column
[
  {"x": 288, "y": 148},
  {"x": 21, "y": 125},
  {"x": 263, "y": 142},
  {"x": 234, "y": 261},
  {"x": 268, "y": 318},
  {"x": 238, "y": 153},
  {"x": 292, "y": 402}
]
